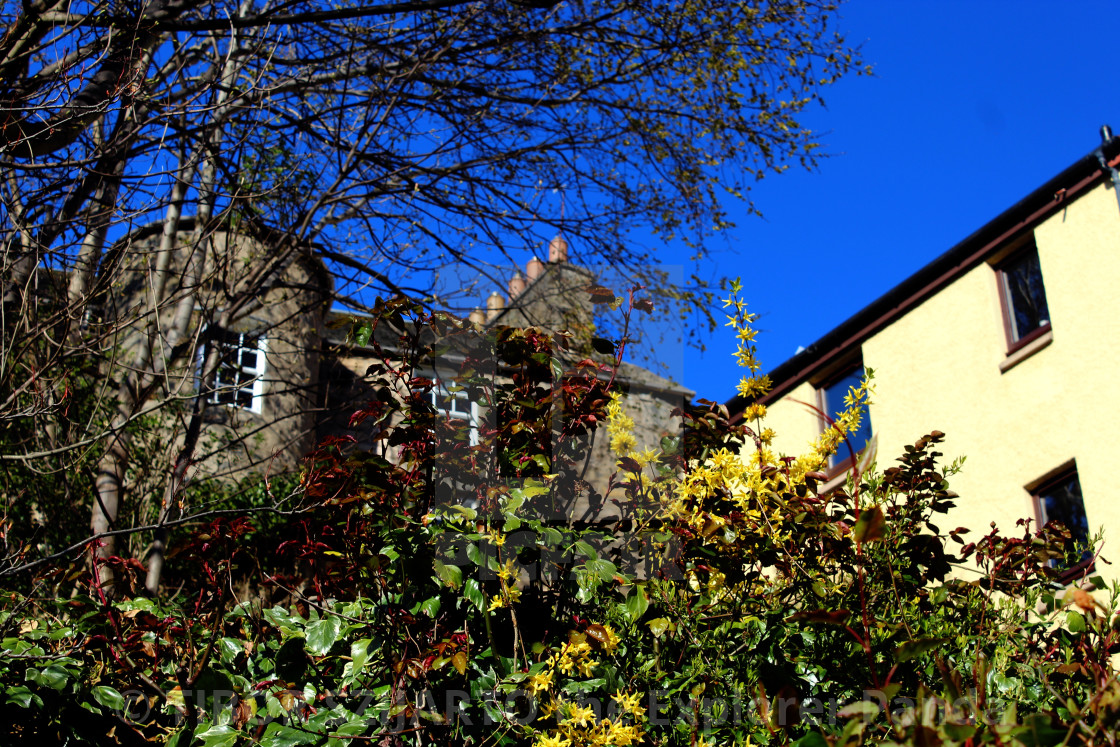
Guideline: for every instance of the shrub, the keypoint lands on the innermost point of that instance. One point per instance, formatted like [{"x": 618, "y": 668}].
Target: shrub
[{"x": 445, "y": 595}]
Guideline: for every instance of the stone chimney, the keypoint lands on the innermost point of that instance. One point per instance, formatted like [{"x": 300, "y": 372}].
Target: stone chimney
[
  {"x": 516, "y": 285},
  {"x": 495, "y": 304},
  {"x": 558, "y": 249},
  {"x": 534, "y": 268}
]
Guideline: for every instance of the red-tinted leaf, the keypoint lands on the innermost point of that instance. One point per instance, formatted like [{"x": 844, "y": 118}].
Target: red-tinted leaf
[{"x": 825, "y": 617}]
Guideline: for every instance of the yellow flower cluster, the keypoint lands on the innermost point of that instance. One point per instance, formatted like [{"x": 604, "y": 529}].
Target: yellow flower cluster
[
  {"x": 752, "y": 480},
  {"x": 620, "y": 427},
  {"x": 578, "y": 724},
  {"x": 507, "y": 577},
  {"x": 752, "y": 385},
  {"x": 846, "y": 422}
]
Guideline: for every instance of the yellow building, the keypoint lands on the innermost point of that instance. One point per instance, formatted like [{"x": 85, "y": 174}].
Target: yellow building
[{"x": 1004, "y": 343}]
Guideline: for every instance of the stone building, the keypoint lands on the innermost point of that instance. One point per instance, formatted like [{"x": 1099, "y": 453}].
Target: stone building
[
  {"x": 279, "y": 371},
  {"x": 254, "y": 348},
  {"x": 552, "y": 296}
]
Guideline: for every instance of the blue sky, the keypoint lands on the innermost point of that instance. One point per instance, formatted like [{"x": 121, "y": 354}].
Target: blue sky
[{"x": 972, "y": 105}]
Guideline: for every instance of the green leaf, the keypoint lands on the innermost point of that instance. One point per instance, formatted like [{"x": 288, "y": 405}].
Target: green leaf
[
  {"x": 22, "y": 696},
  {"x": 52, "y": 676},
  {"x": 466, "y": 511},
  {"x": 108, "y": 697},
  {"x": 913, "y": 649},
  {"x": 811, "y": 740},
  {"x": 430, "y": 607},
  {"x": 219, "y": 736},
  {"x": 658, "y": 626},
  {"x": 958, "y": 732},
  {"x": 450, "y": 575},
  {"x": 359, "y": 654},
  {"x": 603, "y": 345},
  {"x": 362, "y": 334},
  {"x": 870, "y": 526},
  {"x": 1075, "y": 621},
  {"x": 586, "y": 550},
  {"x": 352, "y": 729},
  {"x": 229, "y": 648},
  {"x": 474, "y": 594},
  {"x": 322, "y": 634},
  {"x": 1037, "y": 732},
  {"x": 637, "y": 602},
  {"x": 278, "y": 735}
]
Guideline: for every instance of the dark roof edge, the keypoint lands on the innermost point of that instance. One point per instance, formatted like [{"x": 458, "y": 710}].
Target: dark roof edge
[{"x": 942, "y": 271}]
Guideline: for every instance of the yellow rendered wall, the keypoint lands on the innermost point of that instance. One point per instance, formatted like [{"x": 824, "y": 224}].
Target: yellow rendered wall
[{"x": 938, "y": 368}]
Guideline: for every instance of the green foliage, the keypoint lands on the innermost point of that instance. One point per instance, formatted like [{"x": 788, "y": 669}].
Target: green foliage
[{"x": 448, "y": 596}]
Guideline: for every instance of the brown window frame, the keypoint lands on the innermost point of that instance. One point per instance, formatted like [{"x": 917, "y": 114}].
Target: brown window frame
[
  {"x": 1014, "y": 345},
  {"x": 1037, "y": 490}
]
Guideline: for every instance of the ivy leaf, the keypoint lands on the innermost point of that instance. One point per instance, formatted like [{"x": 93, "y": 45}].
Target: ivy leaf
[
  {"x": 870, "y": 526},
  {"x": 108, "y": 697},
  {"x": 220, "y": 736},
  {"x": 278, "y": 735},
  {"x": 359, "y": 654},
  {"x": 322, "y": 634}
]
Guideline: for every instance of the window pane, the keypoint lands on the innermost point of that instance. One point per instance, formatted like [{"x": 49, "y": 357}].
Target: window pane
[
  {"x": 240, "y": 362},
  {"x": 1026, "y": 296},
  {"x": 834, "y": 395},
  {"x": 1062, "y": 502}
]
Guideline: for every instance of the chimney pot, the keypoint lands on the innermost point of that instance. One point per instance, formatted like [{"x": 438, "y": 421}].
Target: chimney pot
[
  {"x": 534, "y": 268},
  {"x": 558, "y": 249},
  {"x": 478, "y": 316},
  {"x": 516, "y": 285},
  {"x": 495, "y": 304}
]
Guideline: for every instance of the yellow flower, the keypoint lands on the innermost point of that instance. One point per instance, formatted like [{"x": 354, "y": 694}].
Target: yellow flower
[
  {"x": 565, "y": 663},
  {"x": 612, "y": 640},
  {"x": 496, "y": 602},
  {"x": 580, "y": 715},
  {"x": 506, "y": 570},
  {"x": 552, "y": 741},
  {"x": 539, "y": 682},
  {"x": 631, "y": 703}
]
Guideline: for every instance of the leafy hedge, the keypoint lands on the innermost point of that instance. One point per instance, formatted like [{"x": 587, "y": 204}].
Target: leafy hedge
[{"x": 431, "y": 591}]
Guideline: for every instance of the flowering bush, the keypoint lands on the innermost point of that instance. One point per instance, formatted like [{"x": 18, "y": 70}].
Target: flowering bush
[{"x": 436, "y": 589}]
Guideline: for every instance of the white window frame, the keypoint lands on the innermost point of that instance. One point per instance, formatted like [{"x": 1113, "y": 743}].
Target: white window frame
[
  {"x": 470, "y": 415},
  {"x": 250, "y": 379}
]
